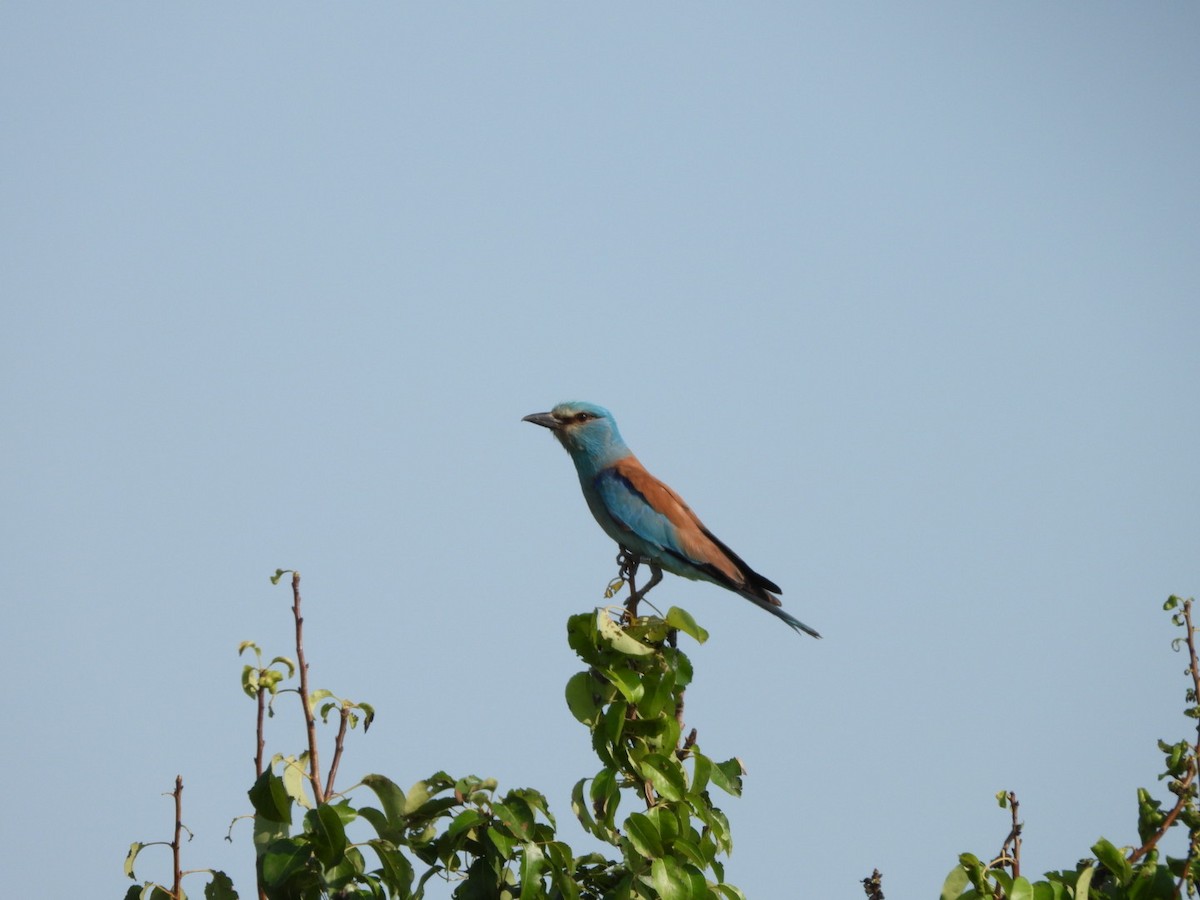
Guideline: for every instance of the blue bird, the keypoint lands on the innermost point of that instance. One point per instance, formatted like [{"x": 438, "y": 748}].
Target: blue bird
[{"x": 649, "y": 521}]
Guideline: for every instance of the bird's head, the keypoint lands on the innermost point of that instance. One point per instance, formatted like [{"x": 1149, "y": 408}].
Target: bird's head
[{"x": 587, "y": 431}]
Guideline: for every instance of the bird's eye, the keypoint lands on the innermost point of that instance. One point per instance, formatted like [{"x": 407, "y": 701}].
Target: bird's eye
[{"x": 583, "y": 416}]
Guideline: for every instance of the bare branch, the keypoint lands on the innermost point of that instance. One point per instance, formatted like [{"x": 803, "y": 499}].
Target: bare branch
[
  {"x": 177, "y": 888},
  {"x": 873, "y": 886},
  {"x": 310, "y": 723}
]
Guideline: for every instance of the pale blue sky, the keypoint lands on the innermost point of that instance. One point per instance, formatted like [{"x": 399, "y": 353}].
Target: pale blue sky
[{"x": 902, "y": 298}]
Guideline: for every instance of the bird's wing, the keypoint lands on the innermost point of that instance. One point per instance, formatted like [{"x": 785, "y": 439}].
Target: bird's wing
[{"x": 644, "y": 505}]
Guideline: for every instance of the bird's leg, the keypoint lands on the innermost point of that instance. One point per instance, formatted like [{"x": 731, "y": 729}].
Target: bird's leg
[
  {"x": 635, "y": 597},
  {"x": 628, "y": 562}
]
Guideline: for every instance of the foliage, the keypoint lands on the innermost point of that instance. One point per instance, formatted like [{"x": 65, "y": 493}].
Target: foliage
[
  {"x": 649, "y": 803},
  {"x": 1112, "y": 872}
]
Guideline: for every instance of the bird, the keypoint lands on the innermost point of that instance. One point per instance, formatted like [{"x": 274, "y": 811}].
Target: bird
[{"x": 650, "y": 522}]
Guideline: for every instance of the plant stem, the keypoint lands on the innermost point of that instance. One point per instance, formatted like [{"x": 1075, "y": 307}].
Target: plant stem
[
  {"x": 338, "y": 743},
  {"x": 314, "y": 767},
  {"x": 261, "y": 743},
  {"x": 177, "y": 888}
]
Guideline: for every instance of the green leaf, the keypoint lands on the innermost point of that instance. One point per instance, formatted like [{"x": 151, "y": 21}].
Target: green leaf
[
  {"x": 682, "y": 620},
  {"x": 328, "y": 834},
  {"x": 134, "y": 892},
  {"x": 368, "y": 716},
  {"x": 1002, "y": 878},
  {"x": 669, "y": 880},
  {"x": 1114, "y": 860},
  {"x": 269, "y": 679},
  {"x": 644, "y": 835},
  {"x": 344, "y": 810},
  {"x": 417, "y": 796},
  {"x": 536, "y": 801},
  {"x": 627, "y": 682},
  {"x": 220, "y": 888},
  {"x": 267, "y": 832},
  {"x": 1084, "y": 883},
  {"x": 955, "y": 882},
  {"x": 690, "y": 851},
  {"x": 1021, "y": 889},
  {"x": 667, "y": 822},
  {"x": 250, "y": 681},
  {"x": 465, "y": 821},
  {"x": 614, "y": 635},
  {"x": 532, "y": 863},
  {"x": 561, "y": 867},
  {"x": 516, "y": 816},
  {"x": 582, "y": 699},
  {"x": 134, "y": 849},
  {"x": 391, "y": 797},
  {"x": 718, "y": 825},
  {"x": 348, "y": 869},
  {"x": 583, "y": 813},
  {"x": 431, "y": 809},
  {"x": 295, "y": 779},
  {"x": 659, "y": 699},
  {"x": 680, "y": 665},
  {"x": 606, "y": 796},
  {"x": 502, "y": 841},
  {"x": 285, "y": 858},
  {"x": 270, "y": 798},
  {"x": 729, "y": 891},
  {"x": 612, "y": 723},
  {"x": 728, "y": 776},
  {"x": 581, "y": 636},
  {"x": 666, "y": 774},
  {"x": 395, "y": 868},
  {"x": 701, "y": 772}
]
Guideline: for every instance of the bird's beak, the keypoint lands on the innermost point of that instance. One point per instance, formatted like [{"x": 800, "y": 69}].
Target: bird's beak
[{"x": 544, "y": 419}]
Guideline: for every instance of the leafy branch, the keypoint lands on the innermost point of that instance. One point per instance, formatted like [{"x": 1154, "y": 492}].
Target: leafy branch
[
  {"x": 1112, "y": 873},
  {"x": 219, "y": 887}
]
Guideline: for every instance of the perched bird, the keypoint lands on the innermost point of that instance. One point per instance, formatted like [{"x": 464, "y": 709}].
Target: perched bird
[{"x": 648, "y": 520}]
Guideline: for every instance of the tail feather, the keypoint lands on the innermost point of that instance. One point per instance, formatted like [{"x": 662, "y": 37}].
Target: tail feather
[{"x": 772, "y": 605}]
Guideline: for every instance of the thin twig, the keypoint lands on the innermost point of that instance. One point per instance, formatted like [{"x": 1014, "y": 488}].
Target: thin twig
[
  {"x": 177, "y": 889},
  {"x": 338, "y": 743},
  {"x": 873, "y": 886},
  {"x": 1184, "y": 785},
  {"x": 1194, "y": 668},
  {"x": 1010, "y": 851},
  {"x": 310, "y": 722},
  {"x": 261, "y": 741}
]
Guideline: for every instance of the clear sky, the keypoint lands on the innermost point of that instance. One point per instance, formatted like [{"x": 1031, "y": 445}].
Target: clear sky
[{"x": 903, "y": 298}]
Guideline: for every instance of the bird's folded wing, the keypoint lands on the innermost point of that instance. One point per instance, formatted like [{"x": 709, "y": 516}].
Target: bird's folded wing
[{"x": 644, "y": 505}]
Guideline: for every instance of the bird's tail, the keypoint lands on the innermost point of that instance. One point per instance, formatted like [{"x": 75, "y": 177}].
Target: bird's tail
[{"x": 775, "y": 609}]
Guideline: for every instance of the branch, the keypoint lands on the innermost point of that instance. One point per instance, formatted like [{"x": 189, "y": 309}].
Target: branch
[
  {"x": 1010, "y": 850},
  {"x": 177, "y": 889},
  {"x": 338, "y": 743},
  {"x": 1184, "y": 786},
  {"x": 873, "y": 886},
  {"x": 309, "y": 720},
  {"x": 261, "y": 743}
]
